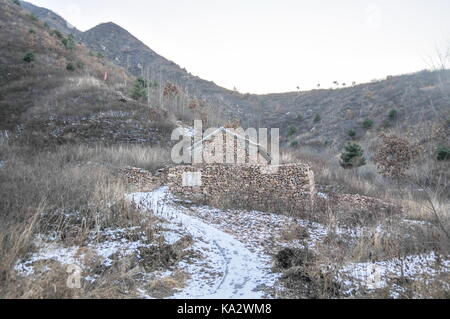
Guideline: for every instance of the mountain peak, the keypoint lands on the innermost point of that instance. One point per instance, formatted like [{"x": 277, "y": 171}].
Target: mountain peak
[{"x": 108, "y": 27}]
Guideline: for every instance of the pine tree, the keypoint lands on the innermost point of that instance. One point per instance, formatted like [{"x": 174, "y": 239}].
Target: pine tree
[
  {"x": 353, "y": 156},
  {"x": 29, "y": 57},
  {"x": 69, "y": 42},
  {"x": 139, "y": 89},
  {"x": 393, "y": 115},
  {"x": 443, "y": 153},
  {"x": 291, "y": 130},
  {"x": 352, "y": 133},
  {"x": 368, "y": 124}
]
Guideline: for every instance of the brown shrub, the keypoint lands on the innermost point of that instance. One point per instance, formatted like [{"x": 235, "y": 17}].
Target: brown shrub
[{"x": 395, "y": 156}]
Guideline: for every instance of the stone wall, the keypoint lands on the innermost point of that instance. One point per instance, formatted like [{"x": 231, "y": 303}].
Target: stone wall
[
  {"x": 242, "y": 151},
  {"x": 252, "y": 184}
]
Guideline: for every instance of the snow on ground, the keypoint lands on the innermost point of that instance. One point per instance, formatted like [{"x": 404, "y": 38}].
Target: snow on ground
[
  {"x": 322, "y": 195},
  {"x": 376, "y": 275},
  {"x": 231, "y": 255},
  {"x": 48, "y": 248},
  {"x": 228, "y": 269},
  {"x": 259, "y": 234},
  {"x": 263, "y": 232},
  {"x": 48, "y": 251}
]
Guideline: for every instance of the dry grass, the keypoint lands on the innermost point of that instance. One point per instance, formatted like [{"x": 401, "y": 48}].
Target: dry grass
[
  {"x": 39, "y": 194},
  {"x": 395, "y": 220},
  {"x": 165, "y": 287},
  {"x": 59, "y": 175},
  {"x": 424, "y": 181},
  {"x": 421, "y": 226},
  {"x": 22, "y": 84},
  {"x": 294, "y": 232},
  {"x": 33, "y": 93},
  {"x": 118, "y": 156},
  {"x": 303, "y": 275}
]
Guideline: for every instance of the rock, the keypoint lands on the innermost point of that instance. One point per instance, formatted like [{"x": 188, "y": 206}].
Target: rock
[{"x": 121, "y": 97}]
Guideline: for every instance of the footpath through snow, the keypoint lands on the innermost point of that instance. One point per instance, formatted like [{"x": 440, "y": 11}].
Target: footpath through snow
[
  {"x": 235, "y": 249},
  {"x": 231, "y": 255},
  {"x": 228, "y": 269}
]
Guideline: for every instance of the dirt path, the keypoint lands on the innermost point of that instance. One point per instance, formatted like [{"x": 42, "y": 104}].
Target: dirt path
[{"x": 228, "y": 269}]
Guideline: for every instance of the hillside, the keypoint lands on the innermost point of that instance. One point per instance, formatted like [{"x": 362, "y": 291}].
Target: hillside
[
  {"x": 415, "y": 106},
  {"x": 53, "y": 20},
  {"x": 125, "y": 50},
  {"x": 419, "y": 100},
  {"x": 68, "y": 137},
  {"x": 53, "y": 89}
]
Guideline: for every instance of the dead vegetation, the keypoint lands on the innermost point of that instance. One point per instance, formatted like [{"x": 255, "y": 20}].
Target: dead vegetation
[
  {"x": 395, "y": 156},
  {"x": 394, "y": 221},
  {"x": 369, "y": 219},
  {"x": 73, "y": 197},
  {"x": 302, "y": 273},
  {"x": 67, "y": 137},
  {"x": 45, "y": 104}
]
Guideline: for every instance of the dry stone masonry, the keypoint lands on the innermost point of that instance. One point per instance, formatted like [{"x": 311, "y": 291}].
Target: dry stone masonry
[{"x": 293, "y": 183}]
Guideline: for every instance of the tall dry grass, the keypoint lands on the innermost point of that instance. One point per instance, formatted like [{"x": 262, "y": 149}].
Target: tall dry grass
[
  {"x": 421, "y": 225},
  {"x": 70, "y": 191},
  {"x": 117, "y": 156},
  {"x": 426, "y": 179}
]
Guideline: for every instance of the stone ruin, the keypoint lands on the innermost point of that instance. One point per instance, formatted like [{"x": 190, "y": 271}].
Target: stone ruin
[
  {"x": 253, "y": 184},
  {"x": 249, "y": 182}
]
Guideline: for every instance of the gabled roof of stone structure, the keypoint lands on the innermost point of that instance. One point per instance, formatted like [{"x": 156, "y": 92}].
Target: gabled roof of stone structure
[{"x": 261, "y": 150}]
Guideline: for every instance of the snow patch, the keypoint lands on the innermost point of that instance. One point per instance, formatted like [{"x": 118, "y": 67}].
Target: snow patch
[
  {"x": 322, "y": 195},
  {"x": 227, "y": 269},
  {"x": 48, "y": 248},
  {"x": 376, "y": 275}
]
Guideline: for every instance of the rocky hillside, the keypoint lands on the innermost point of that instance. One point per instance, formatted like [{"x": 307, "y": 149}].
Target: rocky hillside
[
  {"x": 415, "y": 104},
  {"x": 53, "y": 89},
  {"x": 117, "y": 44},
  {"x": 53, "y": 20}
]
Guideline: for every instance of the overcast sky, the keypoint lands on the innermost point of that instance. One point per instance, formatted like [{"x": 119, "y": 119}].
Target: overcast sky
[{"x": 265, "y": 46}]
